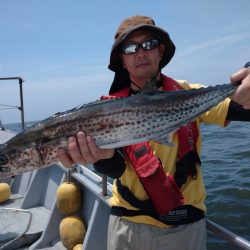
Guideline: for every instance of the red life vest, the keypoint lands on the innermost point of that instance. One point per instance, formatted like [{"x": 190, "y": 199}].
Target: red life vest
[{"x": 161, "y": 188}]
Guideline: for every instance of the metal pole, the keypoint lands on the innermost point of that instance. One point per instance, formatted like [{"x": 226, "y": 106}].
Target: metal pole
[
  {"x": 21, "y": 101},
  {"x": 227, "y": 235},
  {"x": 104, "y": 185},
  {"x": 21, "y": 108}
]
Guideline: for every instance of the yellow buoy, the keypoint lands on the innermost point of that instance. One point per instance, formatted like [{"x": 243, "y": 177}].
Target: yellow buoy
[
  {"x": 5, "y": 192},
  {"x": 68, "y": 198},
  {"x": 78, "y": 247},
  {"x": 72, "y": 231}
]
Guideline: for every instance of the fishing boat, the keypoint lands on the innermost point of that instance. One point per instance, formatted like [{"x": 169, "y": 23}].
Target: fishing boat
[{"x": 30, "y": 219}]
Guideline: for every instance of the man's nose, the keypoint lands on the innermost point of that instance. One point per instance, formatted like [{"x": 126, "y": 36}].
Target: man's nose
[{"x": 141, "y": 51}]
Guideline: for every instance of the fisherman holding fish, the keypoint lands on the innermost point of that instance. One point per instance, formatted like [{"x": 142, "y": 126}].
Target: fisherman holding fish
[{"x": 158, "y": 192}]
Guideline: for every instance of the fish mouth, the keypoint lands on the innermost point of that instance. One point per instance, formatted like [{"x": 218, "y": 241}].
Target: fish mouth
[{"x": 4, "y": 169}]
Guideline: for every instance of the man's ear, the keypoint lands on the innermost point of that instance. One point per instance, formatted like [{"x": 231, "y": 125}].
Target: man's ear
[{"x": 161, "y": 50}]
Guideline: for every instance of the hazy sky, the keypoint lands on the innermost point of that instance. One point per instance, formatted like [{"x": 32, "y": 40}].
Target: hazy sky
[{"x": 61, "y": 48}]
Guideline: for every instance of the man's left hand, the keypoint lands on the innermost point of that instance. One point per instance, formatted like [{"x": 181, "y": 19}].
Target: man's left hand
[{"x": 242, "y": 94}]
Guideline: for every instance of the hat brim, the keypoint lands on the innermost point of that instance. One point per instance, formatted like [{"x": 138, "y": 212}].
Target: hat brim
[{"x": 115, "y": 61}]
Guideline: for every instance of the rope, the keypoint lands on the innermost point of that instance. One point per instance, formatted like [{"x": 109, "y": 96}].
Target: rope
[{"x": 10, "y": 106}]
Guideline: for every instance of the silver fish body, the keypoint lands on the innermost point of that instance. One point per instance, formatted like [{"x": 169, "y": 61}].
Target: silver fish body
[{"x": 150, "y": 115}]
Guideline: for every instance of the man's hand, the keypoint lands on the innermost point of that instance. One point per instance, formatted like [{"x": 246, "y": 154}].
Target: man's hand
[
  {"x": 83, "y": 150},
  {"x": 242, "y": 94}
]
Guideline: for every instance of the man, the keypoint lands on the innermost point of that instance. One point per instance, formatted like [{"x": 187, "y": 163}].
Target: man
[{"x": 158, "y": 195}]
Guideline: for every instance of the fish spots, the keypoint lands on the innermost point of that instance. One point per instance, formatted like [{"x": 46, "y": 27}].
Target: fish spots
[
  {"x": 60, "y": 130},
  {"x": 119, "y": 125},
  {"x": 102, "y": 126},
  {"x": 110, "y": 126}
]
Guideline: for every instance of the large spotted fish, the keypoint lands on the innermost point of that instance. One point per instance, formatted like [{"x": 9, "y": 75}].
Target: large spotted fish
[{"x": 149, "y": 115}]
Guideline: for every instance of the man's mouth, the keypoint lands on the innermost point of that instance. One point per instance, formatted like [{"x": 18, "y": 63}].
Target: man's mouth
[{"x": 141, "y": 64}]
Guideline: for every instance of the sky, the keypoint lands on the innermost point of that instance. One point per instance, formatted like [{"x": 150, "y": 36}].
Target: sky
[{"x": 61, "y": 48}]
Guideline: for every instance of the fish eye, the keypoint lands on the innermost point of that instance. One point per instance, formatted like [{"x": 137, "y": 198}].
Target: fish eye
[{"x": 3, "y": 159}]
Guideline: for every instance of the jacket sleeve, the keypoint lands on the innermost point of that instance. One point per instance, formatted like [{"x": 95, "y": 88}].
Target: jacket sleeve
[
  {"x": 237, "y": 113},
  {"x": 113, "y": 167}
]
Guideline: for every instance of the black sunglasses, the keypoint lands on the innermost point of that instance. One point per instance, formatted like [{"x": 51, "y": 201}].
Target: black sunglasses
[{"x": 132, "y": 48}]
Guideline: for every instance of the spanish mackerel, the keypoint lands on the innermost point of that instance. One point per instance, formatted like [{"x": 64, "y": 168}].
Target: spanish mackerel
[{"x": 149, "y": 115}]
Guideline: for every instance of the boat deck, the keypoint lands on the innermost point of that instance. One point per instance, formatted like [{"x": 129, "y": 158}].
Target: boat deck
[
  {"x": 5, "y": 135},
  {"x": 39, "y": 200}
]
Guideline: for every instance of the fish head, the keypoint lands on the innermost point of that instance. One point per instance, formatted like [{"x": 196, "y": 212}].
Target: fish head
[{"x": 14, "y": 160}]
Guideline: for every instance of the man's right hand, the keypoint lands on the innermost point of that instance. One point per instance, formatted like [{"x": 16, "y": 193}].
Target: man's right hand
[{"x": 82, "y": 149}]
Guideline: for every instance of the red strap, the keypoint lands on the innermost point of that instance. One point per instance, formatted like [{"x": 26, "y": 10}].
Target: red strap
[
  {"x": 162, "y": 189},
  {"x": 140, "y": 155},
  {"x": 187, "y": 134},
  {"x": 121, "y": 93}
]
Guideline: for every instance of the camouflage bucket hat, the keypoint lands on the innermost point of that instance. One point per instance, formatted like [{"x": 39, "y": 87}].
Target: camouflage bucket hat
[{"x": 139, "y": 23}]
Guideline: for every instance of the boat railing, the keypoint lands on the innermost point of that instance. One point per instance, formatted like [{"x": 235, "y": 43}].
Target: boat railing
[
  {"x": 21, "y": 107},
  {"x": 221, "y": 232}
]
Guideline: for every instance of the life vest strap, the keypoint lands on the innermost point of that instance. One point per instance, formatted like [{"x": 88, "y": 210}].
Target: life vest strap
[
  {"x": 183, "y": 214},
  {"x": 161, "y": 188}
]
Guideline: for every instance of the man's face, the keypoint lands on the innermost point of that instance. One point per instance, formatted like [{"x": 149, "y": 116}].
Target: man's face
[{"x": 143, "y": 64}]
